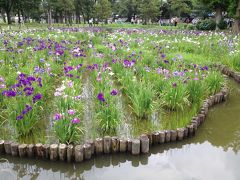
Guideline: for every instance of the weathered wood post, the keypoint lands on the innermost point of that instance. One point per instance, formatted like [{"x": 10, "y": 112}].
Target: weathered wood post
[
  {"x": 129, "y": 145},
  {"x": 46, "y": 151},
  {"x": 135, "y": 147},
  {"x": 122, "y": 145},
  {"x": 185, "y": 132},
  {"x": 173, "y": 135},
  {"x": 91, "y": 142},
  {"x": 39, "y": 150},
  {"x": 2, "y": 150},
  {"x": 70, "y": 153},
  {"x": 162, "y": 137},
  {"x": 7, "y": 147},
  {"x": 167, "y": 136},
  {"x": 22, "y": 148},
  {"x": 150, "y": 137},
  {"x": 190, "y": 129},
  {"x": 195, "y": 126},
  {"x": 180, "y": 134},
  {"x": 156, "y": 138},
  {"x": 87, "y": 151},
  {"x": 107, "y": 142},
  {"x": 115, "y": 144},
  {"x": 78, "y": 153},
  {"x": 30, "y": 150},
  {"x": 98, "y": 144},
  {"x": 144, "y": 144},
  {"x": 62, "y": 151},
  {"x": 201, "y": 117},
  {"x": 14, "y": 149},
  {"x": 54, "y": 152}
]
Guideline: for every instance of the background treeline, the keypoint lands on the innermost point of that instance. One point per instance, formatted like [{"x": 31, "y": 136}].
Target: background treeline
[{"x": 70, "y": 11}]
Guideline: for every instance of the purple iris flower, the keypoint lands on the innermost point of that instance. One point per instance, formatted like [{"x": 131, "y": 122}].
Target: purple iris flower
[
  {"x": 57, "y": 116},
  {"x": 163, "y": 56},
  {"x": 39, "y": 80},
  {"x": 26, "y": 110},
  {"x": 20, "y": 117},
  {"x": 36, "y": 98},
  {"x": 100, "y": 97},
  {"x": 31, "y": 78},
  {"x": 174, "y": 85},
  {"x": 166, "y": 61},
  {"x": 10, "y": 93},
  {"x": 114, "y": 92},
  {"x": 75, "y": 121},
  {"x": 71, "y": 112}
]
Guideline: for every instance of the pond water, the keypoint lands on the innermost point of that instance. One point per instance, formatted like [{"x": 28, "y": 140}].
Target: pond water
[{"x": 214, "y": 153}]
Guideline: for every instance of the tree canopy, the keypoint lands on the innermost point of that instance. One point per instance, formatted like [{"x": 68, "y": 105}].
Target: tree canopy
[{"x": 148, "y": 10}]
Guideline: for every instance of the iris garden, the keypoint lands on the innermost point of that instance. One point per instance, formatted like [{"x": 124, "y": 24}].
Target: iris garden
[{"x": 68, "y": 85}]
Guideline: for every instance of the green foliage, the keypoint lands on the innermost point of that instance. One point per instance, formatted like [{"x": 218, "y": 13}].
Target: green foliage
[
  {"x": 206, "y": 25},
  {"x": 85, "y": 8},
  {"x": 141, "y": 98},
  {"x": 66, "y": 131},
  {"x": 191, "y": 27},
  {"x": 108, "y": 109},
  {"x": 233, "y": 7},
  {"x": 103, "y": 10},
  {"x": 214, "y": 82},
  {"x": 222, "y": 24},
  {"x": 127, "y": 8},
  {"x": 196, "y": 91},
  {"x": 108, "y": 114},
  {"x": 149, "y": 10},
  {"x": 140, "y": 94},
  {"x": 214, "y": 4},
  {"x": 180, "y": 7},
  {"x": 235, "y": 63},
  {"x": 142, "y": 64},
  {"x": 175, "y": 96}
]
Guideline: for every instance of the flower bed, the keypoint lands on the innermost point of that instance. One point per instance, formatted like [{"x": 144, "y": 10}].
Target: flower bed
[
  {"x": 106, "y": 145},
  {"x": 69, "y": 85}
]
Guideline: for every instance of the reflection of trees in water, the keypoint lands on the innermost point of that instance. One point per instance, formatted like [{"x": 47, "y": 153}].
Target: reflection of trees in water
[
  {"x": 36, "y": 168},
  {"x": 5, "y": 170},
  {"x": 235, "y": 143},
  {"x": 32, "y": 168}
]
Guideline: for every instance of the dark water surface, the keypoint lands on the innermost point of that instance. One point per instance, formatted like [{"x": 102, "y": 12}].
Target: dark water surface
[{"x": 214, "y": 153}]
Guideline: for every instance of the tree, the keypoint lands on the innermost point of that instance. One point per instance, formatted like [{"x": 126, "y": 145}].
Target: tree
[
  {"x": 149, "y": 10},
  {"x": 128, "y": 8},
  {"x": 165, "y": 10},
  {"x": 200, "y": 9},
  {"x": 3, "y": 15},
  {"x": 234, "y": 11},
  {"x": 27, "y": 8},
  {"x": 218, "y": 6},
  {"x": 48, "y": 6},
  {"x": 180, "y": 7},
  {"x": 103, "y": 10},
  {"x": 86, "y": 9},
  {"x": 7, "y": 6},
  {"x": 67, "y": 7},
  {"x": 77, "y": 10}
]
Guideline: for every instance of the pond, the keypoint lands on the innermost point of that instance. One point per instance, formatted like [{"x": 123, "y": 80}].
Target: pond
[{"x": 212, "y": 154}]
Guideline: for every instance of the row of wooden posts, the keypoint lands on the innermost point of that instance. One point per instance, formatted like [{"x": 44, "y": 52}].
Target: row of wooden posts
[
  {"x": 107, "y": 144},
  {"x": 225, "y": 70}
]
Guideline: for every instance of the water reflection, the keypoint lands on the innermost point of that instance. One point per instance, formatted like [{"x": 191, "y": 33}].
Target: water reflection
[{"x": 189, "y": 161}]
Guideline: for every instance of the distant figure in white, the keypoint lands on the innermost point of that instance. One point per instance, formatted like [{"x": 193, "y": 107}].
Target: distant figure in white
[
  {"x": 132, "y": 20},
  {"x": 17, "y": 20},
  {"x": 91, "y": 22}
]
